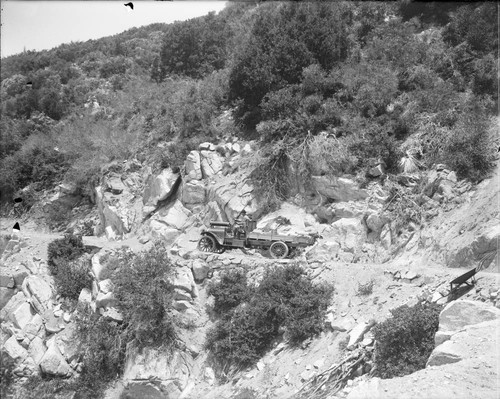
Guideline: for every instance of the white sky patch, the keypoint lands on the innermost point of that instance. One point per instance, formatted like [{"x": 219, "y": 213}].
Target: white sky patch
[{"x": 39, "y": 25}]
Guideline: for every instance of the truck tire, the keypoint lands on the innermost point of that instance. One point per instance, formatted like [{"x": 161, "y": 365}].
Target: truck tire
[
  {"x": 207, "y": 244},
  {"x": 278, "y": 250}
]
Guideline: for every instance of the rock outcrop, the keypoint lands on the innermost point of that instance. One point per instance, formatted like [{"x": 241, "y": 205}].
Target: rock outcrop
[
  {"x": 338, "y": 188},
  {"x": 460, "y": 314},
  {"x": 171, "y": 371},
  {"x": 193, "y": 167},
  {"x": 160, "y": 187}
]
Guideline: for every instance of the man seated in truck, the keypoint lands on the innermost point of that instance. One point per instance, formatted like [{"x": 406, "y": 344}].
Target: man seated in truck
[{"x": 240, "y": 224}]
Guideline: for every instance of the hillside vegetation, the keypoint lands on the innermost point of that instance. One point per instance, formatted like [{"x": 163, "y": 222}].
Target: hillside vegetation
[{"x": 326, "y": 87}]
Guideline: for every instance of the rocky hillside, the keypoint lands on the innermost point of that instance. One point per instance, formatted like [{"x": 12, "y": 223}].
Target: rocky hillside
[{"x": 356, "y": 248}]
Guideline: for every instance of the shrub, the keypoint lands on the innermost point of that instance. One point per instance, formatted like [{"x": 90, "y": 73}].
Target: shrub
[
  {"x": 63, "y": 250},
  {"x": 406, "y": 340},
  {"x": 329, "y": 155},
  {"x": 72, "y": 277},
  {"x": 285, "y": 299},
  {"x": 145, "y": 296},
  {"x": 241, "y": 338},
  {"x": 366, "y": 289},
  {"x": 469, "y": 148},
  {"x": 7, "y": 365},
  {"x": 35, "y": 162},
  {"x": 300, "y": 305},
  {"x": 105, "y": 343},
  {"x": 229, "y": 292}
]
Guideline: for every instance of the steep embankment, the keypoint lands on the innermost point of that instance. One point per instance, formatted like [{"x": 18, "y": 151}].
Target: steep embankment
[
  {"x": 136, "y": 205},
  {"x": 465, "y": 231}
]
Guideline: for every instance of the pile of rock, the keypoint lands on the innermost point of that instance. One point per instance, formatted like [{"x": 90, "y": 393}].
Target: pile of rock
[
  {"x": 490, "y": 295},
  {"x": 405, "y": 276},
  {"x": 442, "y": 184},
  {"x": 459, "y": 321},
  {"x": 13, "y": 244},
  {"x": 37, "y": 334},
  {"x": 101, "y": 298}
]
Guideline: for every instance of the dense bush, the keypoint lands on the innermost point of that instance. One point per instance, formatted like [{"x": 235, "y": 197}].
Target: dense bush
[
  {"x": 146, "y": 295},
  {"x": 285, "y": 299},
  {"x": 406, "y": 340},
  {"x": 229, "y": 291},
  {"x": 64, "y": 249},
  {"x": 299, "y": 305},
  {"x": 105, "y": 344},
  {"x": 36, "y": 162},
  {"x": 70, "y": 274},
  {"x": 470, "y": 148},
  {"x": 72, "y": 277},
  {"x": 7, "y": 366}
]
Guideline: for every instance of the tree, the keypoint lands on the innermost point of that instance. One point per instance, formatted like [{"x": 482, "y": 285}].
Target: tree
[
  {"x": 285, "y": 39},
  {"x": 158, "y": 72}
]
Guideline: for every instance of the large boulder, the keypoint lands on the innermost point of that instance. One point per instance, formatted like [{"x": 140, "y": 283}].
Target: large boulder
[
  {"x": 214, "y": 212},
  {"x": 39, "y": 291},
  {"x": 183, "y": 280},
  {"x": 211, "y": 163},
  {"x": 34, "y": 326},
  {"x": 53, "y": 362},
  {"x": 232, "y": 195},
  {"x": 37, "y": 349},
  {"x": 14, "y": 302},
  {"x": 486, "y": 241},
  {"x": 119, "y": 212},
  {"x": 15, "y": 351},
  {"x": 161, "y": 231},
  {"x": 375, "y": 223},
  {"x": 160, "y": 187},
  {"x": 357, "y": 333},
  {"x": 461, "y": 313},
  {"x": 338, "y": 188},
  {"x": 5, "y": 295},
  {"x": 200, "y": 269},
  {"x": 466, "y": 344},
  {"x": 68, "y": 343},
  {"x": 174, "y": 216},
  {"x": 99, "y": 269},
  {"x": 193, "y": 193},
  {"x": 349, "y": 233},
  {"x": 193, "y": 167},
  {"x": 22, "y": 315},
  {"x": 114, "y": 184},
  {"x": 105, "y": 300}
]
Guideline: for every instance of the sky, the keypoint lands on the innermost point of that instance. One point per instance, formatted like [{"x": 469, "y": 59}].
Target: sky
[{"x": 38, "y": 25}]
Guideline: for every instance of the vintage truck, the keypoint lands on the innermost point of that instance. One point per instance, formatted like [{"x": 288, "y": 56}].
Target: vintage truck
[{"x": 222, "y": 235}]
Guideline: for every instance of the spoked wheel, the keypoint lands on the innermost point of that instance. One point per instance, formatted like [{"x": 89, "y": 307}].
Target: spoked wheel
[
  {"x": 278, "y": 250},
  {"x": 207, "y": 244},
  {"x": 220, "y": 249}
]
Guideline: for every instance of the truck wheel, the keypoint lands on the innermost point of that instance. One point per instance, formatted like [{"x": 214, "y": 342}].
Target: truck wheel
[
  {"x": 278, "y": 250},
  {"x": 206, "y": 244},
  {"x": 220, "y": 249}
]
